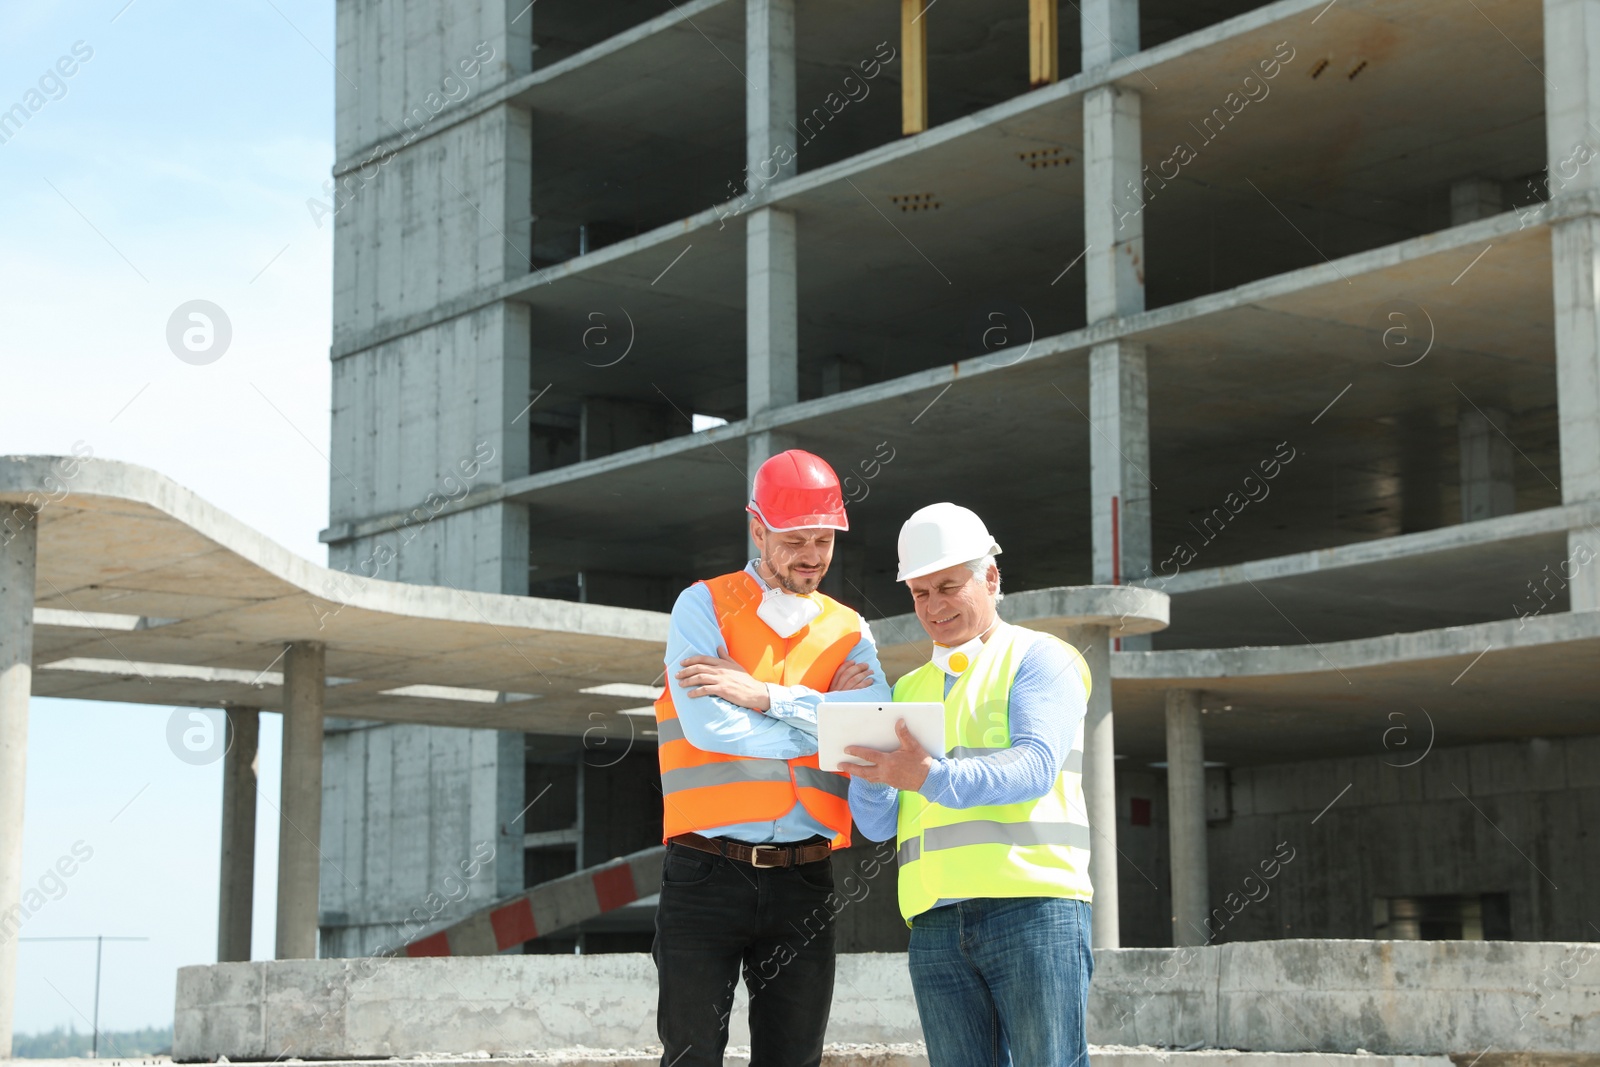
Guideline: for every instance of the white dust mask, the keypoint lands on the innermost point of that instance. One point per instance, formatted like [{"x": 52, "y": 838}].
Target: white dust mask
[
  {"x": 787, "y": 613},
  {"x": 955, "y": 660}
]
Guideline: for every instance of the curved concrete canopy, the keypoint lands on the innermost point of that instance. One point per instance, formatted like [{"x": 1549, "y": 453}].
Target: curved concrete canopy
[{"x": 148, "y": 594}]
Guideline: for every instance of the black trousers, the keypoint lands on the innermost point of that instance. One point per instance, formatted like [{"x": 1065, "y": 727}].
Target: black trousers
[{"x": 719, "y": 918}]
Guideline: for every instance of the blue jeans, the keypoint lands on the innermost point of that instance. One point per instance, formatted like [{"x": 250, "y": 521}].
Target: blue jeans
[{"x": 1003, "y": 981}]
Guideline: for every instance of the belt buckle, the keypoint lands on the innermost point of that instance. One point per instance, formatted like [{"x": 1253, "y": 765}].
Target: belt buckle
[{"x": 755, "y": 855}]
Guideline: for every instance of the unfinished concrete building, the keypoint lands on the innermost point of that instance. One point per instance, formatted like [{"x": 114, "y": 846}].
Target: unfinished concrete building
[{"x": 1286, "y": 310}]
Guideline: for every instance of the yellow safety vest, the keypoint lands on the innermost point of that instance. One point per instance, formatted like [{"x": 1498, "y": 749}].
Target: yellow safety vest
[{"x": 1033, "y": 848}]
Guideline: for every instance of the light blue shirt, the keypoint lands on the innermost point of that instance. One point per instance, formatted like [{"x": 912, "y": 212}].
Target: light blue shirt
[
  {"x": 788, "y": 729},
  {"x": 1047, "y": 703}
]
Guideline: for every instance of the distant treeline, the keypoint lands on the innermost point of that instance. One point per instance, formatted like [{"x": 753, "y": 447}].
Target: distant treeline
[{"x": 61, "y": 1043}]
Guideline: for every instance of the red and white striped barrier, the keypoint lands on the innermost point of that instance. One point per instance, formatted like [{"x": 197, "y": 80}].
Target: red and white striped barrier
[{"x": 548, "y": 907}]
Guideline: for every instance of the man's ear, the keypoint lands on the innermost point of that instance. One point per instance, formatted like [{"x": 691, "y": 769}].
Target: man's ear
[
  {"x": 758, "y": 531},
  {"x": 991, "y": 578}
]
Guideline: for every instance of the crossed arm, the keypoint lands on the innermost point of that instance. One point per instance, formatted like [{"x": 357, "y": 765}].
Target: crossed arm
[{"x": 723, "y": 709}]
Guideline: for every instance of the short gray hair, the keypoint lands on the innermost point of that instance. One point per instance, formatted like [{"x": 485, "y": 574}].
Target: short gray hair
[{"x": 981, "y": 565}]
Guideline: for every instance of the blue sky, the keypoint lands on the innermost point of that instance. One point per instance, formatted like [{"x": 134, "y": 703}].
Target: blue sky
[{"x": 174, "y": 166}]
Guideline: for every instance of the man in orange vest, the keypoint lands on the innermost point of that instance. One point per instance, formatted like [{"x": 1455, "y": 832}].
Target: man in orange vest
[{"x": 749, "y": 818}]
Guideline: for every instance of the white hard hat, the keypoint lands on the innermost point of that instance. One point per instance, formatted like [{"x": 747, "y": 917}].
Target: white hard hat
[{"x": 940, "y": 536}]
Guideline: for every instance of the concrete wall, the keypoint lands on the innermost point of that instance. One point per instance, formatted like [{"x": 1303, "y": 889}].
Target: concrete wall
[
  {"x": 1512, "y": 817},
  {"x": 1381, "y": 996},
  {"x": 430, "y": 201},
  {"x": 392, "y": 57},
  {"x": 414, "y": 831},
  {"x": 419, "y": 425}
]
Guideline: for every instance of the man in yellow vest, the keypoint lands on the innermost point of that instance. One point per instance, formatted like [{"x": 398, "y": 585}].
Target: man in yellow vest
[
  {"x": 993, "y": 840},
  {"x": 749, "y": 818}
]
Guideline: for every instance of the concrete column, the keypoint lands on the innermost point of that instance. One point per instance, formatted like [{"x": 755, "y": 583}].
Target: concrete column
[
  {"x": 1572, "y": 116},
  {"x": 1100, "y": 783},
  {"x": 772, "y": 317},
  {"x": 1119, "y": 457},
  {"x": 237, "y": 878},
  {"x": 1110, "y": 30},
  {"x": 772, "y": 322},
  {"x": 300, "y": 805},
  {"x": 1113, "y": 199},
  {"x": 1488, "y": 472},
  {"x": 1472, "y": 199},
  {"x": 769, "y": 92},
  {"x": 19, "y": 554},
  {"x": 1186, "y": 806}
]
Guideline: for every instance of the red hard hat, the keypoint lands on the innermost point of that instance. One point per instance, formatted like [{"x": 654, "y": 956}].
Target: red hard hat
[{"x": 796, "y": 490}]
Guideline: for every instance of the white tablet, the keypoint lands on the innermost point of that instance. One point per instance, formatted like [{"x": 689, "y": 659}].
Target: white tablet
[{"x": 872, "y": 726}]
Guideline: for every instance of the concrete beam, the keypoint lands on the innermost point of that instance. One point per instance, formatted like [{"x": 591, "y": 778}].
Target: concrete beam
[
  {"x": 300, "y": 801},
  {"x": 1186, "y": 818},
  {"x": 237, "y": 878},
  {"x": 1387, "y": 655},
  {"x": 19, "y": 554},
  {"x": 1384, "y": 549}
]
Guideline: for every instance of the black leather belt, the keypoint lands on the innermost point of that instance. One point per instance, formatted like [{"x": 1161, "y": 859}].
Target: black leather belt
[{"x": 779, "y": 855}]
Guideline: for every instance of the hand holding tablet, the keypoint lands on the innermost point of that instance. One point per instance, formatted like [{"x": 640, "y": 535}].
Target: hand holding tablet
[{"x": 872, "y": 725}]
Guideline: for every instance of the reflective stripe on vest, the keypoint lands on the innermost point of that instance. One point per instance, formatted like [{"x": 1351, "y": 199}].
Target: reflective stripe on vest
[
  {"x": 988, "y": 832},
  {"x": 745, "y": 770},
  {"x": 827, "y": 781},
  {"x": 702, "y": 789},
  {"x": 1037, "y": 847}
]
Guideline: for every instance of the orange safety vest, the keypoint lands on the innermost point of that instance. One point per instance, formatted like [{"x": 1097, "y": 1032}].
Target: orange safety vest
[{"x": 704, "y": 789}]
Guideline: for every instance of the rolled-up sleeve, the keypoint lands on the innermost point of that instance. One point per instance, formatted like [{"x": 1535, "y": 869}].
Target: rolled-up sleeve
[{"x": 712, "y": 723}]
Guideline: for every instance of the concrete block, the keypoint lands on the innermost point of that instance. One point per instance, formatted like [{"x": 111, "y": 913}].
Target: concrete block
[
  {"x": 1391, "y": 998},
  {"x": 1144, "y": 995},
  {"x": 218, "y": 1008}
]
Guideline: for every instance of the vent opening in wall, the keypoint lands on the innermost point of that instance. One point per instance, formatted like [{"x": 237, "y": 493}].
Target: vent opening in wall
[
  {"x": 1450, "y": 917},
  {"x": 1045, "y": 157}
]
